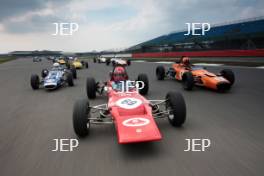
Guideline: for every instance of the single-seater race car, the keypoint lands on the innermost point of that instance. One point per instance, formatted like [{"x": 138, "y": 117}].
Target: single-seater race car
[
  {"x": 118, "y": 61},
  {"x": 78, "y": 64},
  {"x": 52, "y": 79},
  {"x": 37, "y": 59},
  {"x": 191, "y": 75},
  {"x": 99, "y": 59},
  {"x": 132, "y": 114}
]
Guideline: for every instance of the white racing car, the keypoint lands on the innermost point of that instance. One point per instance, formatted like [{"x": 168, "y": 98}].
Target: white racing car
[
  {"x": 100, "y": 60},
  {"x": 118, "y": 61}
]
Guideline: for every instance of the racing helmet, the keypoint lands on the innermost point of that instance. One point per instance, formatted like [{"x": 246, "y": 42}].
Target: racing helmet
[
  {"x": 56, "y": 64},
  {"x": 119, "y": 74},
  {"x": 186, "y": 60}
]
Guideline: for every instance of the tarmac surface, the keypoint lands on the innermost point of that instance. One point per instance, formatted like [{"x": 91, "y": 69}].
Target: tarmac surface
[{"x": 31, "y": 120}]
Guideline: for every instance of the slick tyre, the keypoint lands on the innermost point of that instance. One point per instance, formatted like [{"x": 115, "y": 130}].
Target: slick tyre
[
  {"x": 70, "y": 79},
  {"x": 81, "y": 113},
  {"x": 113, "y": 63},
  {"x": 188, "y": 81},
  {"x": 176, "y": 106},
  {"x": 107, "y": 62},
  {"x": 160, "y": 72},
  {"x": 229, "y": 75},
  {"x": 91, "y": 88},
  {"x": 74, "y": 72},
  {"x": 128, "y": 62},
  {"x": 144, "y": 79},
  {"x": 34, "y": 81}
]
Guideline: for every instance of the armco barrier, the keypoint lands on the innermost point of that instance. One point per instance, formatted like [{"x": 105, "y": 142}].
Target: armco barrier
[{"x": 222, "y": 53}]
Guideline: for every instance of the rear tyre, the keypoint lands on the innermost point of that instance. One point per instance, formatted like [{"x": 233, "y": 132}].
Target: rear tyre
[
  {"x": 34, "y": 81},
  {"x": 68, "y": 66},
  {"x": 188, "y": 81},
  {"x": 128, "y": 62},
  {"x": 70, "y": 79},
  {"x": 91, "y": 88},
  {"x": 44, "y": 73},
  {"x": 144, "y": 79},
  {"x": 74, "y": 72},
  {"x": 176, "y": 106},
  {"x": 107, "y": 62},
  {"x": 160, "y": 72},
  {"x": 229, "y": 75},
  {"x": 81, "y": 113},
  {"x": 86, "y": 64}
]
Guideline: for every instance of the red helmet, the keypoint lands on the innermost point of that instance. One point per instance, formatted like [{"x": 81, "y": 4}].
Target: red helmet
[
  {"x": 119, "y": 74},
  {"x": 186, "y": 60}
]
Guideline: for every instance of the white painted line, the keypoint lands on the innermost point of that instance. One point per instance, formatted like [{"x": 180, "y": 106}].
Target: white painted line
[
  {"x": 138, "y": 61},
  {"x": 261, "y": 67},
  {"x": 207, "y": 64},
  {"x": 164, "y": 62}
]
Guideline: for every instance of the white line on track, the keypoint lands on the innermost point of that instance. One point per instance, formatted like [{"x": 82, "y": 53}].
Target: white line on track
[
  {"x": 139, "y": 61},
  {"x": 261, "y": 67},
  {"x": 207, "y": 64},
  {"x": 164, "y": 62}
]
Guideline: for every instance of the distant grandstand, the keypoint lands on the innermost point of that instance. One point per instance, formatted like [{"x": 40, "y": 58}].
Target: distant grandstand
[{"x": 240, "y": 35}]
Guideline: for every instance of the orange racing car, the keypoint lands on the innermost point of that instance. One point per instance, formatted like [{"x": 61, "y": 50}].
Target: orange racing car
[{"x": 191, "y": 75}]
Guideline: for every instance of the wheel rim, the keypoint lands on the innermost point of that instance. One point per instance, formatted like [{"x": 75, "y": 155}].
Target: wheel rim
[{"x": 169, "y": 109}]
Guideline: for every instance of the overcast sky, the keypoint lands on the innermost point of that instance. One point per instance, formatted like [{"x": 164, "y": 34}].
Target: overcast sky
[{"x": 108, "y": 24}]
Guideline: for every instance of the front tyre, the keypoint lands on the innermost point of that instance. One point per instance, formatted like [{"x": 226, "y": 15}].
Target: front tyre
[
  {"x": 91, "y": 88},
  {"x": 160, "y": 72},
  {"x": 176, "y": 107},
  {"x": 144, "y": 79},
  {"x": 34, "y": 81},
  {"x": 229, "y": 75},
  {"x": 70, "y": 79},
  {"x": 81, "y": 113}
]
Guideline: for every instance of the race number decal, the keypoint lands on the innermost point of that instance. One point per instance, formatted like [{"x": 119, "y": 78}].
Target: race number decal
[
  {"x": 129, "y": 103},
  {"x": 135, "y": 122}
]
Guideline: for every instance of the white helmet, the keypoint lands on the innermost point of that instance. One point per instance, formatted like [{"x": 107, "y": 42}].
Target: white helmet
[{"x": 56, "y": 64}]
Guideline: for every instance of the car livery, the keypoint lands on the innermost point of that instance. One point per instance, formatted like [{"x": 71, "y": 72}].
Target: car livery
[
  {"x": 131, "y": 113},
  {"x": 52, "y": 79},
  {"x": 199, "y": 76}
]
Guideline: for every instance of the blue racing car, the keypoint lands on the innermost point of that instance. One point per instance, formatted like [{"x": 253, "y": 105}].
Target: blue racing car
[{"x": 52, "y": 79}]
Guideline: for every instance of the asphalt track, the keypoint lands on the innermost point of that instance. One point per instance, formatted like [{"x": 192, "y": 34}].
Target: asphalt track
[{"x": 30, "y": 120}]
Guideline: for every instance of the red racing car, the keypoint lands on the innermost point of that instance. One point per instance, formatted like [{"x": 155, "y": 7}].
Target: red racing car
[{"x": 132, "y": 114}]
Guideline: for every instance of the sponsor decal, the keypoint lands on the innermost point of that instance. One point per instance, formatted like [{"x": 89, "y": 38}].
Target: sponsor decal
[
  {"x": 136, "y": 122},
  {"x": 129, "y": 103}
]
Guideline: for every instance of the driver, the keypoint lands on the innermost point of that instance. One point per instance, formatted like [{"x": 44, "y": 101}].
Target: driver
[
  {"x": 119, "y": 76},
  {"x": 185, "y": 61},
  {"x": 56, "y": 66}
]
